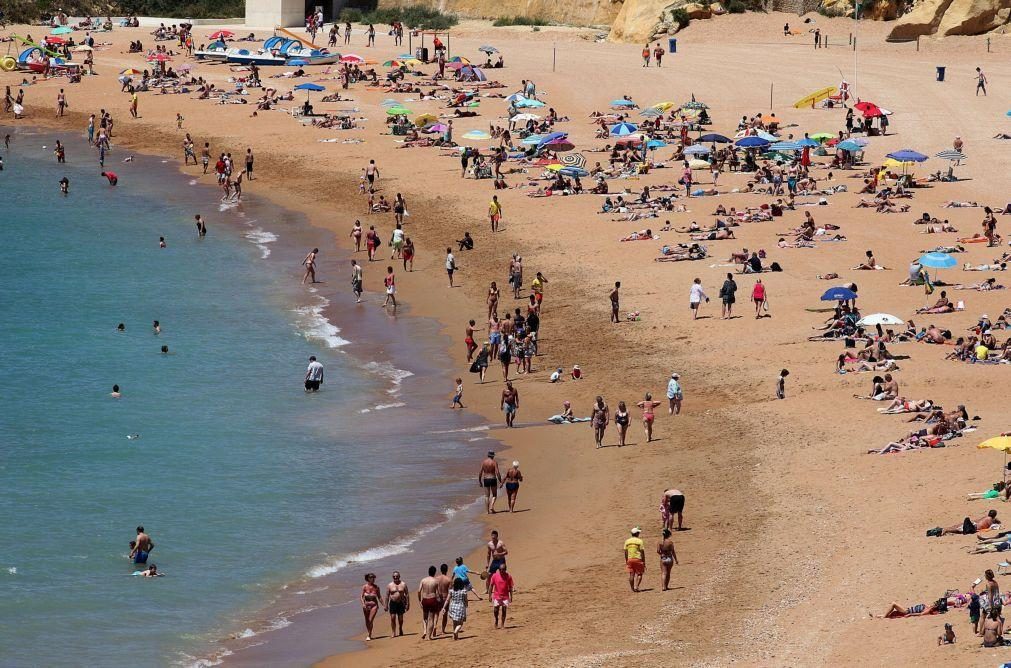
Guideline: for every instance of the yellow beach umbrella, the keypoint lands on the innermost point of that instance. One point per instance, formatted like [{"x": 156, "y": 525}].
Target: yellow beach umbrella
[
  {"x": 413, "y": 62},
  {"x": 130, "y": 71},
  {"x": 425, "y": 119},
  {"x": 663, "y": 106},
  {"x": 1002, "y": 442}
]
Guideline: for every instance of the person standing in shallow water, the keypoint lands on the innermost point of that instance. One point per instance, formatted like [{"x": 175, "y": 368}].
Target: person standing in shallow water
[{"x": 310, "y": 266}]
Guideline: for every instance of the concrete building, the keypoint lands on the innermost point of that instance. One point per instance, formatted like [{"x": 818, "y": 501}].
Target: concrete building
[{"x": 287, "y": 13}]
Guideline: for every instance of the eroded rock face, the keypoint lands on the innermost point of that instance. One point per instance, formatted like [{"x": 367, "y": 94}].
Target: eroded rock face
[{"x": 952, "y": 17}]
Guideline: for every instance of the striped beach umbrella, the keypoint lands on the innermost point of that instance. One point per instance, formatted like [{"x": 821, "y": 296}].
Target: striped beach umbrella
[
  {"x": 951, "y": 154},
  {"x": 623, "y": 129}
]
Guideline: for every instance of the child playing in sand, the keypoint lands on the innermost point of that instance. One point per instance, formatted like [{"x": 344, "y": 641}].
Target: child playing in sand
[
  {"x": 781, "y": 384},
  {"x": 457, "y": 398},
  {"x": 948, "y": 637}
]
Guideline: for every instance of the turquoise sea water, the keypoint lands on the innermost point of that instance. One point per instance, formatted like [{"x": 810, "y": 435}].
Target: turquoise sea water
[{"x": 244, "y": 482}]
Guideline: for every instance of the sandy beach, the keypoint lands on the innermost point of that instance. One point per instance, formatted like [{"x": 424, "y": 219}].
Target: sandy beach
[{"x": 795, "y": 535}]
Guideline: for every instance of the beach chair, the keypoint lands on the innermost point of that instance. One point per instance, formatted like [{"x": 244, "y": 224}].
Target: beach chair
[{"x": 1002, "y": 567}]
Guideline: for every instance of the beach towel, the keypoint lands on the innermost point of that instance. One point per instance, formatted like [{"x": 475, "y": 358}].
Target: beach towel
[{"x": 558, "y": 419}]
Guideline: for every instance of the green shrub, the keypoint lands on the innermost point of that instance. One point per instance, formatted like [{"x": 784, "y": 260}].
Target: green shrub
[
  {"x": 424, "y": 18},
  {"x": 736, "y": 7},
  {"x": 351, "y": 14},
  {"x": 520, "y": 21},
  {"x": 680, "y": 17}
]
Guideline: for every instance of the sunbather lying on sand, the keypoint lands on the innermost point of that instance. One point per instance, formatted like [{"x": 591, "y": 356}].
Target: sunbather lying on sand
[
  {"x": 986, "y": 286},
  {"x": 938, "y": 229},
  {"x": 903, "y": 405},
  {"x": 985, "y": 267},
  {"x": 967, "y": 526},
  {"x": 715, "y": 235},
  {"x": 955, "y": 204},
  {"x": 896, "y": 611},
  {"x": 642, "y": 235}
]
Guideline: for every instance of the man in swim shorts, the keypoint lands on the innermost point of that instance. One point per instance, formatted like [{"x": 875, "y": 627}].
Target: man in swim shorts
[
  {"x": 142, "y": 548},
  {"x": 674, "y": 502},
  {"x": 635, "y": 559},
  {"x": 444, "y": 584},
  {"x": 510, "y": 403},
  {"x": 489, "y": 478},
  {"x": 496, "y": 557},
  {"x": 500, "y": 585},
  {"x": 428, "y": 596},
  {"x": 398, "y": 602},
  {"x": 313, "y": 375}
]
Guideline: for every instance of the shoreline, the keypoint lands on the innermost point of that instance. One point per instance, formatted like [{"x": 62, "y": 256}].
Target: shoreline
[{"x": 793, "y": 532}]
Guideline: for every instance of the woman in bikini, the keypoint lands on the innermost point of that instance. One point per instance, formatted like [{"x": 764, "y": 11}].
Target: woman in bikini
[
  {"x": 599, "y": 419},
  {"x": 492, "y": 300},
  {"x": 622, "y": 420},
  {"x": 668, "y": 557},
  {"x": 372, "y": 242},
  {"x": 647, "y": 405},
  {"x": 511, "y": 482},
  {"x": 356, "y": 234},
  {"x": 371, "y": 599}
]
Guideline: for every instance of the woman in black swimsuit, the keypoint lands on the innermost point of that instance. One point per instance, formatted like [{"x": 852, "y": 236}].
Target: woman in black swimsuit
[
  {"x": 511, "y": 482},
  {"x": 621, "y": 419}
]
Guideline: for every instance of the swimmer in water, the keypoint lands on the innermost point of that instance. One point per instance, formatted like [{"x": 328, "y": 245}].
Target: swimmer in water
[
  {"x": 120, "y": 327},
  {"x": 115, "y": 394},
  {"x": 111, "y": 176},
  {"x": 164, "y": 350},
  {"x": 156, "y": 327},
  {"x": 161, "y": 242},
  {"x": 201, "y": 226},
  {"x": 65, "y": 185},
  {"x": 142, "y": 547},
  {"x": 151, "y": 572}
]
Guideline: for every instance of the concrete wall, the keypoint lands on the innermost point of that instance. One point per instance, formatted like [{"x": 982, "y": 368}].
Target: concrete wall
[{"x": 270, "y": 13}]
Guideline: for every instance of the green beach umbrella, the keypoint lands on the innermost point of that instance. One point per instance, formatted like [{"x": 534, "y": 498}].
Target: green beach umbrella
[{"x": 398, "y": 111}]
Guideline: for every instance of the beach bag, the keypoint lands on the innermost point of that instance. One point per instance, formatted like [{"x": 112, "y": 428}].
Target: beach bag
[
  {"x": 967, "y": 526},
  {"x": 936, "y": 531},
  {"x": 775, "y": 267}
]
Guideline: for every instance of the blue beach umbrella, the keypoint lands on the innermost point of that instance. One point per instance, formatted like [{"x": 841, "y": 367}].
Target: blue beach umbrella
[
  {"x": 786, "y": 146},
  {"x": 654, "y": 144},
  {"x": 623, "y": 129},
  {"x": 310, "y": 86},
  {"x": 850, "y": 145},
  {"x": 751, "y": 142},
  {"x": 766, "y": 136},
  {"x": 907, "y": 155},
  {"x": 622, "y": 103},
  {"x": 574, "y": 171},
  {"x": 838, "y": 294},
  {"x": 937, "y": 260},
  {"x": 551, "y": 137},
  {"x": 715, "y": 138},
  {"x": 807, "y": 142},
  {"x": 696, "y": 149}
]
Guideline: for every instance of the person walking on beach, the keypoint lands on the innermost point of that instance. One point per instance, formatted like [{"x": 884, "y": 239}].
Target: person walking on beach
[
  {"x": 310, "y": 266},
  {"x": 496, "y": 557},
  {"x": 758, "y": 295},
  {"x": 133, "y": 104},
  {"x": 458, "y": 395},
  {"x": 390, "y": 282},
  {"x": 500, "y": 588},
  {"x": 635, "y": 559},
  {"x": 781, "y": 384},
  {"x": 428, "y": 597},
  {"x": 450, "y": 265},
  {"x": 398, "y": 602},
  {"x": 313, "y": 375},
  {"x": 61, "y": 103},
  {"x": 674, "y": 395},
  {"x": 673, "y": 503},
  {"x": 510, "y": 402},
  {"x": 444, "y": 584},
  {"x": 371, "y": 174},
  {"x": 695, "y": 297},
  {"x": 456, "y": 605},
  {"x": 205, "y": 156},
  {"x": 494, "y": 213},
  {"x": 658, "y": 53},
  {"x": 615, "y": 302},
  {"x": 817, "y": 38},
  {"x": 356, "y": 281},
  {"x": 371, "y": 599},
  {"x": 142, "y": 547},
  {"x": 668, "y": 557},
  {"x": 511, "y": 482},
  {"x": 249, "y": 164},
  {"x": 727, "y": 295},
  {"x": 621, "y": 422},
  {"x": 645, "y": 55},
  {"x": 599, "y": 417},
  {"x": 648, "y": 405},
  {"x": 980, "y": 82},
  {"x": 489, "y": 478}
]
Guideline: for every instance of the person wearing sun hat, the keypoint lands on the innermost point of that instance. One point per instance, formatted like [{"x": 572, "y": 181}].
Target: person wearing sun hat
[
  {"x": 635, "y": 559},
  {"x": 674, "y": 394}
]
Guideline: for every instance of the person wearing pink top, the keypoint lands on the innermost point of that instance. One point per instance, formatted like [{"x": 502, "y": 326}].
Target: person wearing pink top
[
  {"x": 758, "y": 296},
  {"x": 501, "y": 585}
]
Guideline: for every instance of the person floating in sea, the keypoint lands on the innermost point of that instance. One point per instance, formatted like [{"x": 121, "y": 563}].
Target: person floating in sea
[{"x": 313, "y": 375}]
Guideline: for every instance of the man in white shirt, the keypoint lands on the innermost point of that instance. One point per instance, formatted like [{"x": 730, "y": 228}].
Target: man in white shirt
[
  {"x": 313, "y": 375},
  {"x": 450, "y": 265}
]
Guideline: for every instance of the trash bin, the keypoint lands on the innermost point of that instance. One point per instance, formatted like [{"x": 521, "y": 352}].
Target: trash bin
[
  {"x": 672, "y": 45},
  {"x": 421, "y": 53},
  {"x": 940, "y": 73}
]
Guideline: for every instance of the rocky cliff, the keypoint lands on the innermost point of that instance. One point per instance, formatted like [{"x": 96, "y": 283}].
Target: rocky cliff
[
  {"x": 953, "y": 17},
  {"x": 573, "y": 12}
]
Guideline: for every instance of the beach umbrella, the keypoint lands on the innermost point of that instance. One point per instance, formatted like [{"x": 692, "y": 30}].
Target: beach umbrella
[
  {"x": 822, "y": 136},
  {"x": 574, "y": 160},
  {"x": 130, "y": 72},
  {"x": 525, "y": 117},
  {"x": 477, "y": 134},
  {"x": 880, "y": 319},
  {"x": 436, "y": 127},
  {"x": 937, "y": 260},
  {"x": 424, "y": 119},
  {"x": 479, "y": 74},
  {"x": 693, "y": 104},
  {"x": 906, "y": 155},
  {"x": 390, "y": 102},
  {"x": 559, "y": 145},
  {"x": 1008, "y": 113},
  {"x": 221, "y": 34},
  {"x": 870, "y": 110},
  {"x": 622, "y": 103},
  {"x": 623, "y": 129},
  {"x": 715, "y": 138},
  {"x": 62, "y": 30},
  {"x": 1002, "y": 443},
  {"x": 159, "y": 57},
  {"x": 552, "y": 136},
  {"x": 850, "y": 145},
  {"x": 950, "y": 154},
  {"x": 751, "y": 142},
  {"x": 398, "y": 111},
  {"x": 762, "y": 134},
  {"x": 786, "y": 146},
  {"x": 83, "y": 47},
  {"x": 650, "y": 113},
  {"x": 527, "y": 104},
  {"x": 515, "y": 97},
  {"x": 392, "y": 63},
  {"x": 487, "y": 49},
  {"x": 309, "y": 87},
  {"x": 663, "y": 106},
  {"x": 352, "y": 58},
  {"x": 55, "y": 40},
  {"x": 838, "y": 294},
  {"x": 654, "y": 144},
  {"x": 699, "y": 164},
  {"x": 808, "y": 142},
  {"x": 457, "y": 65},
  {"x": 696, "y": 149},
  {"x": 459, "y": 59}
]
